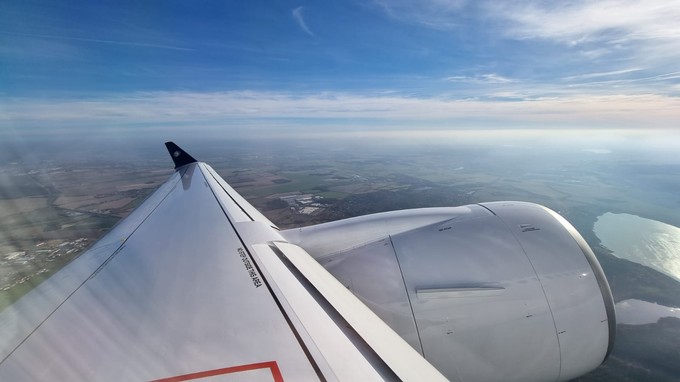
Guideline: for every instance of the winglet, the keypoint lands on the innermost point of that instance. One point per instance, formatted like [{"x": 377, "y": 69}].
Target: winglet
[{"x": 179, "y": 156}]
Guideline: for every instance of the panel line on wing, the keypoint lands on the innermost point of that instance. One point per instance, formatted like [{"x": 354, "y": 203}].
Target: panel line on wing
[
  {"x": 250, "y": 213},
  {"x": 230, "y": 197}
]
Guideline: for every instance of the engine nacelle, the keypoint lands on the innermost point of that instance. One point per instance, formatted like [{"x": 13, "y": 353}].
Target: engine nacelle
[{"x": 503, "y": 291}]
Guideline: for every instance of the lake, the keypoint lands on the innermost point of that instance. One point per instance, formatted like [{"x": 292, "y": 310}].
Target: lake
[{"x": 644, "y": 241}]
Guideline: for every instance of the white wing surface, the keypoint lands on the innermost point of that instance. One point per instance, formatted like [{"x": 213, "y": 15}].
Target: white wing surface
[{"x": 196, "y": 284}]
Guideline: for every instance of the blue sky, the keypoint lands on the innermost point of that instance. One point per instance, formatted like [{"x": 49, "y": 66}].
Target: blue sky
[{"x": 255, "y": 66}]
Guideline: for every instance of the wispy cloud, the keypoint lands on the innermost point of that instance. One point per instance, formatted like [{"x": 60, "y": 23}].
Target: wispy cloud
[
  {"x": 99, "y": 41},
  {"x": 571, "y": 22},
  {"x": 661, "y": 83},
  {"x": 601, "y": 74},
  {"x": 644, "y": 33},
  {"x": 300, "y": 20},
  {"x": 40, "y": 49},
  {"x": 574, "y": 22},
  {"x": 490, "y": 78},
  {"x": 436, "y": 14},
  {"x": 596, "y": 38}
]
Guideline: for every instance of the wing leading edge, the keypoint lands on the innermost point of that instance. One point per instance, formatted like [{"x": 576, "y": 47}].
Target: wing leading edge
[{"x": 197, "y": 283}]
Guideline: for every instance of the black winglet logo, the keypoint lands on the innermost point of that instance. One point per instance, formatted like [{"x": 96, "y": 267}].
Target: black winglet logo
[{"x": 179, "y": 156}]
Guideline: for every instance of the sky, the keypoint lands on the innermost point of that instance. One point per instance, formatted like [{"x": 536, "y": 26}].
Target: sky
[{"x": 313, "y": 67}]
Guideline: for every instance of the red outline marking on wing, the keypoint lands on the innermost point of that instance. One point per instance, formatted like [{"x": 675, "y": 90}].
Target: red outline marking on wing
[{"x": 271, "y": 365}]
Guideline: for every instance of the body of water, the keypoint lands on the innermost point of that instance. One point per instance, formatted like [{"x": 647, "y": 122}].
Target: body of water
[
  {"x": 644, "y": 241},
  {"x": 637, "y": 312}
]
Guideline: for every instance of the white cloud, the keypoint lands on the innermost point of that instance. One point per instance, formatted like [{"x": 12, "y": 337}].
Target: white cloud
[
  {"x": 575, "y": 22},
  {"x": 300, "y": 20},
  {"x": 491, "y": 78},
  {"x": 25, "y": 36},
  {"x": 598, "y": 151},
  {"x": 509, "y": 95},
  {"x": 641, "y": 33},
  {"x": 602, "y": 74},
  {"x": 436, "y": 14},
  {"x": 659, "y": 84},
  {"x": 647, "y": 32},
  {"x": 271, "y": 109}
]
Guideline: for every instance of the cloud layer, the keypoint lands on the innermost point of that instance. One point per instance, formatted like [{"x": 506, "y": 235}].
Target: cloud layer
[{"x": 311, "y": 112}]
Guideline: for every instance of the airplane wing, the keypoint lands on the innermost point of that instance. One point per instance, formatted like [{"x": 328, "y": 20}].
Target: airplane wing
[{"x": 196, "y": 284}]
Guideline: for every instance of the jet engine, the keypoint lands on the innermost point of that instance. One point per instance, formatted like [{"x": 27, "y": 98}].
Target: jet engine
[{"x": 502, "y": 291}]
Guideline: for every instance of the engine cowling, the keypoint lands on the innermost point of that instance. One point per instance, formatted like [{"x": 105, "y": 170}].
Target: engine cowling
[{"x": 503, "y": 291}]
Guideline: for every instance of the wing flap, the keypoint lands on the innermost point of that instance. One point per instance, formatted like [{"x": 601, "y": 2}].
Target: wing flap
[
  {"x": 337, "y": 354},
  {"x": 397, "y": 354}
]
